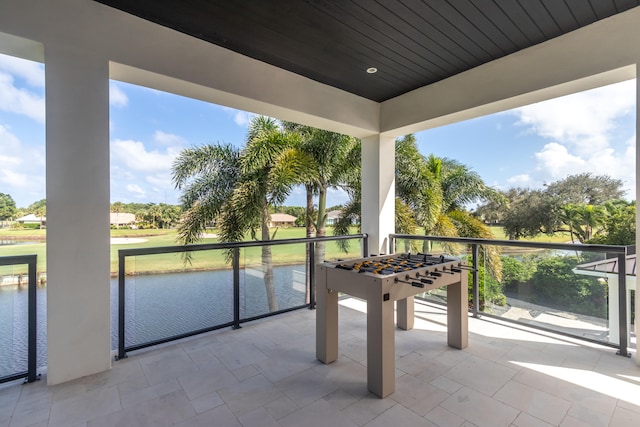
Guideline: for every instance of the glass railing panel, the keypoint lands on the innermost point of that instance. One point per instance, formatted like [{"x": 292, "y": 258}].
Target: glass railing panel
[
  {"x": 448, "y": 249},
  {"x": 552, "y": 289},
  {"x": 13, "y": 319},
  {"x": 168, "y": 296},
  {"x": 344, "y": 249},
  {"x": 272, "y": 278}
]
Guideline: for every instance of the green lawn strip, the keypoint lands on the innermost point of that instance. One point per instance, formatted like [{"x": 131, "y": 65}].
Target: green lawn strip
[
  {"x": 38, "y": 249},
  {"x": 282, "y": 254},
  {"x": 287, "y": 254}
]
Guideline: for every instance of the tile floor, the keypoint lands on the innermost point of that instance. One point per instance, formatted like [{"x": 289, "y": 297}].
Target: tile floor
[{"x": 266, "y": 374}]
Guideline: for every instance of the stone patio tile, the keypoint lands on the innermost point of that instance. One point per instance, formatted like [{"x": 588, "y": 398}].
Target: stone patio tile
[
  {"x": 317, "y": 414},
  {"x": 367, "y": 408},
  {"x": 539, "y": 404},
  {"x": 416, "y": 395},
  {"x": 526, "y": 420},
  {"x": 479, "y": 408},
  {"x": 258, "y": 418},
  {"x": 250, "y": 394},
  {"x": 399, "y": 416},
  {"x": 441, "y": 417},
  {"x": 218, "y": 417},
  {"x": 85, "y": 407},
  {"x": 480, "y": 374},
  {"x": 165, "y": 410}
]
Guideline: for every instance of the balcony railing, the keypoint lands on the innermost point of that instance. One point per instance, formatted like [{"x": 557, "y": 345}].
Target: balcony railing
[
  {"x": 538, "y": 285},
  {"x": 18, "y": 349},
  {"x": 168, "y": 293}
]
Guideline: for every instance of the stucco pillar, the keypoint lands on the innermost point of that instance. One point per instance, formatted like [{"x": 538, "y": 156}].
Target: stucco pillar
[
  {"x": 77, "y": 163},
  {"x": 378, "y": 191}
]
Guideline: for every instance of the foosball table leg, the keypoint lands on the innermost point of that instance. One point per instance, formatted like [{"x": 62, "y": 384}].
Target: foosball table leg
[
  {"x": 457, "y": 316},
  {"x": 405, "y": 313},
  {"x": 326, "y": 319},
  {"x": 381, "y": 347}
]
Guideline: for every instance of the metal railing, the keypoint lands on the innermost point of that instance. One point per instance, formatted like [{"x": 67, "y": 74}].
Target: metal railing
[
  {"x": 232, "y": 251},
  {"x": 473, "y": 244},
  {"x": 30, "y": 260}
]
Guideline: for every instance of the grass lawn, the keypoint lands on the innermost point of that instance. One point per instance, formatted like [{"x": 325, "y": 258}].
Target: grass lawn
[
  {"x": 282, "y": 254},
  {"x": 499, "y": 234}
]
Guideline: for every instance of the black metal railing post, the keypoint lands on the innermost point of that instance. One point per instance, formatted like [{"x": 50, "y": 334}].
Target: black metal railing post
[
  {"x": 121, "y": 306},
  {"x": 30, "y": 374},
  {"x": 392, "y": 245},
  {"x": 312, "y": 275},
  {"x": 620, "y": 251},
  {"x": 475, "y": 276},
  {"x": 365, "y": 245},
  {"x": 622, "y": 305},
  {"x": 236, "y": 288},
  {"x": 235, "y": 250},
  {"x": 32, "y": 355}
]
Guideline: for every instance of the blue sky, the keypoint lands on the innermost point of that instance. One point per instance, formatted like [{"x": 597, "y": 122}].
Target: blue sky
[{"x": 592, "y": 131}]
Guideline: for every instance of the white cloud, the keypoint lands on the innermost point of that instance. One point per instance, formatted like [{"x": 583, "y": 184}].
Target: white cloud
[
  {"x": 20, "y": 101},
  {"x": 556, "y": 161},
  {"x": 22, "y": 171},
  {"x": 135, "y": 156},
  {"x": 165, "y": 138},
  {"x": 117, "y": 97},
  {"x": 518, "y": 180},
  {"x": 243, "y": 118},
  {"x": 583, "y": 120},
  {"x": 8, "y": 141},
  {"x": 584, "y": 129},
  {"x": 14, "y": 180},
  {"x": 136, "y": 190},
  {"x": 31, "y": 72},
  {"x": 161, "y": 180}
]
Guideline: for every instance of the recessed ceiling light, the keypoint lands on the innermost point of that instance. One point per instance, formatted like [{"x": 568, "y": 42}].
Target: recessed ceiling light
[{"x": 372, "y": 70}]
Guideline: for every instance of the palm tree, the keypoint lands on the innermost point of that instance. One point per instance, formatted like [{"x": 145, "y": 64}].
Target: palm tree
[
  {"x": 438, "y": 189},
  {"x": 237, "y": 187},
  {"x": 582, "y": 220},
  {"x": 333, "y": 158}
]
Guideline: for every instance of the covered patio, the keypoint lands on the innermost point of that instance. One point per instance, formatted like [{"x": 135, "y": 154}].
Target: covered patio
[{"x": 267, "y": 373}]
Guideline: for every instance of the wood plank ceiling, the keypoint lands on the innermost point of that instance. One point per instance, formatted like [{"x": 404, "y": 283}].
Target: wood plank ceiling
[{"x": 412, "y": 43}]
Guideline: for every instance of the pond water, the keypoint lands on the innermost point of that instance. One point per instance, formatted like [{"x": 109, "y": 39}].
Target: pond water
[{"x": 157, "y": 307}]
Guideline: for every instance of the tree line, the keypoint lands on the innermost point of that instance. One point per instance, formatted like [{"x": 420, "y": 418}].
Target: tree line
[
  {"x": 240, "y": 187},
  {"x": 589, "y": 208}
]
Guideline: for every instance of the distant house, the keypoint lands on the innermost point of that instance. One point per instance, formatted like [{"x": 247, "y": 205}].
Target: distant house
[
  {"x": 32, "y": 219},
  {"x": 333, "y": 217},
  {"x": 122, "y": 219},
  {"x": 282, "y": 220}
]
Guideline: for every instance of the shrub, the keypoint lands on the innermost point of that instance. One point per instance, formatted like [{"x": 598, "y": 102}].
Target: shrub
[
  {"x": 517, "y": 271},
  {"x": 555, "y": 285},
  {"x": 490, "y": 290}
]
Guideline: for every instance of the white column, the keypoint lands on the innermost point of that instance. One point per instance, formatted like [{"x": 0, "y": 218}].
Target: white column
[
  {"x": 378, "y": 191},
  {"x": 77, "y": 147}
]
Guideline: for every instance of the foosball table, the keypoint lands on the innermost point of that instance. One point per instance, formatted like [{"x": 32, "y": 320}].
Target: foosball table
[{"x": 381, "y": 281}]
